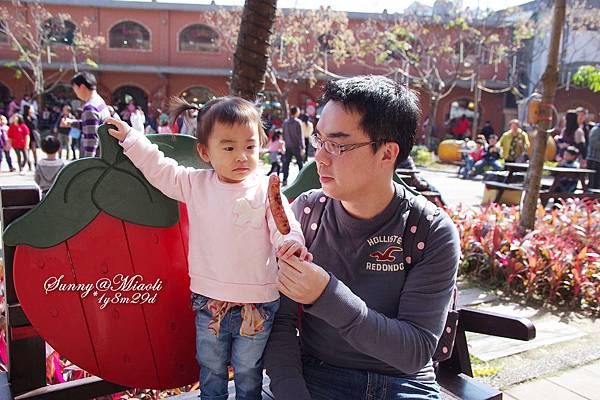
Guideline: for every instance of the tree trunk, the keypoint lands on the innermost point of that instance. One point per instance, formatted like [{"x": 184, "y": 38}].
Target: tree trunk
[
  {"x": 433, "y": 106},
  {"x": 250, "y": 58},
  {"x": 477, "y": 98},
  {"x": 536, "y": 164}
]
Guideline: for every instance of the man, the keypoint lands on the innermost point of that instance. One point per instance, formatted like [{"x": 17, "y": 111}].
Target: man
[
  {"x": 487, "y": 130},
  {"x": 514, "y": 143},
  {"x": 593, "y": 156},
  {"x": 94, "y": 113},
  {"x": 294, "y": 142},
  {"x": 582, "y": 121},
  {"x": 364, "y": 330},
  {"x": 584, "y": 125},
  {"x": 461, "y": 129}
]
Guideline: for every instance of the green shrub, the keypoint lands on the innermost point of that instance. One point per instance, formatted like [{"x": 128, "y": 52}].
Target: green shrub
[
  {"x": 557, "y": 262},
  {"x": 421, "y": 155}
]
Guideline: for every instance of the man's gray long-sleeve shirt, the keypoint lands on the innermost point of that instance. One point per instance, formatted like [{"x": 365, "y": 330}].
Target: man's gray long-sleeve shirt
[{"x": 372, "y": 315}]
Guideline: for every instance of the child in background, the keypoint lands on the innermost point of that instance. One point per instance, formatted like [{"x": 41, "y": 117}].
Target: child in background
[
  {"x": 18, "y": 133},
  {"x": 276, "y": 151},
  {"x": 232, "y": 238},
  {"x": 5, "y": 148},
  {"x": 48, "y": 167},
  {"x": 474, "y": 155},
  {"x": 491, "y": 157},
  {"x": 569, "y": 160},
  {"x": 75, "y": 134},
  {"x": 164, "y": 127}
]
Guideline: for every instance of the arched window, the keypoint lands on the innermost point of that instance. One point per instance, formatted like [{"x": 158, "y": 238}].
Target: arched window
[
  {"x": 198, "y": 37},
  {"x": 59, "y": 31},
  {"x": 197, "y": 95},
  {"x": 126, "y": 98},
  {"x": 129, "y": 35}
]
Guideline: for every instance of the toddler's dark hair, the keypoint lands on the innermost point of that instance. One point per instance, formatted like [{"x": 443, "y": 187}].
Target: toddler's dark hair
[
  {"x": 50, "y": 145},
  {"x": 276, "y": 134},
  {"x": 228, "y": 110}
]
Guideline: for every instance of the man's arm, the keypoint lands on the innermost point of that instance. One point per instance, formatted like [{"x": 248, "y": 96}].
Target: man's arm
[
  {"x": 282, "y": 355},
  {"x": 422, "y": 307}
]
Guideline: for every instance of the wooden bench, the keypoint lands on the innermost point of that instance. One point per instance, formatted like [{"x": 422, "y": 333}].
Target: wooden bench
[
  {"x": 500, "y": 188},
  {"x": 26, "y": 376},
  {"x": 546, "y": 196}
]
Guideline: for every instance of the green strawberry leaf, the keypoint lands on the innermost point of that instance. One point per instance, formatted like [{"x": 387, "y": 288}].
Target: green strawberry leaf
[
  {"x": 110, "y": 149},
  {"x": 110, "y": 184},
  {"x": 135, "y": 200},
  {"x": 66, "y": 209}
]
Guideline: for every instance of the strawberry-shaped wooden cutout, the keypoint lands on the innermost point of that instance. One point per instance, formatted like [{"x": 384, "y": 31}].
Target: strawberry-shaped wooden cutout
[{"x": 101, "y": 269}]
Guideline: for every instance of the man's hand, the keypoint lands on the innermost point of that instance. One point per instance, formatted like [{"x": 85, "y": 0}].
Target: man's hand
[
  {"x": 122, "y": 128},
  {"x": 301, "y": 281},
  {"x": 293, "y": 247}
]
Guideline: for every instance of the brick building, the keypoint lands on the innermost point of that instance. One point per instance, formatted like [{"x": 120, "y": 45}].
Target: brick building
[{"x": 155, "y": 50}]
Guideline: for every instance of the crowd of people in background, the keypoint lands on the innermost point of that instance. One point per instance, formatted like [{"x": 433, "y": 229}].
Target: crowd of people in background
[
  {"x": 577, "y": 142},
  {"x": 63, "y": 133},
  {"x": 24, "y": 128}
]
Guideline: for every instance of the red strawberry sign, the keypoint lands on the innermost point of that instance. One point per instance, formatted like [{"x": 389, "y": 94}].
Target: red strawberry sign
[{"x": 101, "y": 272}]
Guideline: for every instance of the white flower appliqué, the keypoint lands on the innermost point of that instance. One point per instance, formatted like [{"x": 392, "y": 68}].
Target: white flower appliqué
[{"x": 248, "y": 215}]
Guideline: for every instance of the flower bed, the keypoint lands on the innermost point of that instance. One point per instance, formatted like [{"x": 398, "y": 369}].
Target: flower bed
[{"x": 556, "y": 263}]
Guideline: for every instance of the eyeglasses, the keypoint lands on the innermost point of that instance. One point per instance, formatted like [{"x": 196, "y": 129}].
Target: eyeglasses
[{"x": 334, "y": 148}]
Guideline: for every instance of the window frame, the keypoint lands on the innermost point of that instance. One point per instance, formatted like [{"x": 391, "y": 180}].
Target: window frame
[
  {"x": 217, "y": 48},
  {"x": 55, "y": 43},
  {"x": 148, "y": 30}
]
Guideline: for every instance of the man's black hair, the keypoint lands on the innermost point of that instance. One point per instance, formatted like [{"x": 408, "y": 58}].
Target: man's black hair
[
  {"x": 84, "y": 78},
  {"x": 389, "y": 111},
  {"x": 50, "y": 145},
  {"x": 293, "y": 110}
]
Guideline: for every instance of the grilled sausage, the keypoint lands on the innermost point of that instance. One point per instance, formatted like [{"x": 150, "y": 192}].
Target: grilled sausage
[{"x": 281, "y": 220}]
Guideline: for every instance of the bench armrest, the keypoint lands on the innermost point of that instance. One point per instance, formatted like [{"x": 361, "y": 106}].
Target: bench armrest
[{"x": 494, "y": 324}]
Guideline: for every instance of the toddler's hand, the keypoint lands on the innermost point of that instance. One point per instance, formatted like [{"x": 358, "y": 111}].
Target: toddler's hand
[
  {"x": 292, "y": 247},
  {"x": 121, "y": 131}
]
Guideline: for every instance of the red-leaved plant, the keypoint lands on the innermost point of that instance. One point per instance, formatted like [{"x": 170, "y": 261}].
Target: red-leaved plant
[{"x": 558, "y": 262}]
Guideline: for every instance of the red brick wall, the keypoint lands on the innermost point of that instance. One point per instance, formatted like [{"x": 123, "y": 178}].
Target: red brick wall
[{"x": 164, "y": 27}]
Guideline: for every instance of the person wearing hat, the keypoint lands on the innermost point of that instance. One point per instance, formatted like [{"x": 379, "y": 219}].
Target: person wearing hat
[{"x": 514, "y": 143}]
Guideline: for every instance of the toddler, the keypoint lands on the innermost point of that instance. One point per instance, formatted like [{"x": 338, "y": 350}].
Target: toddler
[
  {"x": 232, "y": 238},
  {"x": 47, "y": 168}
]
